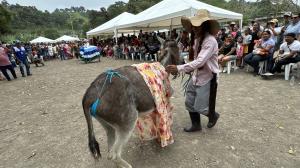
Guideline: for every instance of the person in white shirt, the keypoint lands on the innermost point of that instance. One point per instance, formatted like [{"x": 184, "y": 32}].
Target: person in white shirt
[
  {"x": 288, "y": 53},
  {"x": 294, "y": 27}
]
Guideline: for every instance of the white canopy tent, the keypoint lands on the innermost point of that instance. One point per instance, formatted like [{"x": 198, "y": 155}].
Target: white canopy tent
[
  {"x": 66, "y": 38},
  {"x": 41, "y": 40},
  {"x": 110, "y": 26},
  {"x": 168, "y": 14}
]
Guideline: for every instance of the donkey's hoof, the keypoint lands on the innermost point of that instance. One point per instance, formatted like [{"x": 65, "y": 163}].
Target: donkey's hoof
[
  {"x": 124, "y": 166},
  {"x": 122, "y": 163},
  {"x": 111, "y": 156}
]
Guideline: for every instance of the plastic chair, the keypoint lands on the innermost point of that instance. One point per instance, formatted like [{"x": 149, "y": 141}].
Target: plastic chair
[
  {"x": 229, "y": 63},
  {"x": 263, "y": 65},
  {"x": 287, "y": 70}
]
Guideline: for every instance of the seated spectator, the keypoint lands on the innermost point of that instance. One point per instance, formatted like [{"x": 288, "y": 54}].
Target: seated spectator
[
  {"x": 37, "y": 58},
  {"x": 263, "y": 50},
  {"x": 288, "y": 53},
  {"x": 226, "y": 52}
]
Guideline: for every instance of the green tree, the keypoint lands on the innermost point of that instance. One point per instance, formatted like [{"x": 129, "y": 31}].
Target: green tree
[
  {"x": 51, "y": 33},
  {"x": 5, "y": 20}
]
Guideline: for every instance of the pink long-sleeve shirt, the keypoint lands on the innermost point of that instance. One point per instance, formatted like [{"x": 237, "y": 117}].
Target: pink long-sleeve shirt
[{"x": 205, "y": 63}]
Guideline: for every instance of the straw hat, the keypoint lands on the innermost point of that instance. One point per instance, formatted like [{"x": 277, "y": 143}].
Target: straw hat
[
  {"x": 295, "y": 15},
  {"x": 273, "y": 21},
  {"x": 232, "y": 23},
  {"x": 197, "y": 20}
]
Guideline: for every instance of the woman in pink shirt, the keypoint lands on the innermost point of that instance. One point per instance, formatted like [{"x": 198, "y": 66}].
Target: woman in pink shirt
[
  {"x": 201, "y": 90},
  {"x": 5, "y": 64}
]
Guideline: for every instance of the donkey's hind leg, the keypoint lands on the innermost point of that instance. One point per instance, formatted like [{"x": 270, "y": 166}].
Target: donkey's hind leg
[
  {"x": 110, "y": 132},
  {"x": 122, "y": 136}
]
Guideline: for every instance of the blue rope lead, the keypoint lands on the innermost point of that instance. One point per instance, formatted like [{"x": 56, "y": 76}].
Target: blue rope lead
[{"x": 109, "y": 75}]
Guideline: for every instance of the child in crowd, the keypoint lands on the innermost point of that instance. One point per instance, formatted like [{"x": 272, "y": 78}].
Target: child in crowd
[{"x": 239, "y": 51}]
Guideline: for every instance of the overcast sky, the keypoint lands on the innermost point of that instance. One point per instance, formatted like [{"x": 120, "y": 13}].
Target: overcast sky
[{"x": 51, "y": 5}]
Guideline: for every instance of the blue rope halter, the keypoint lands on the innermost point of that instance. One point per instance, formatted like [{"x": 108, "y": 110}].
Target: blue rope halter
[{"x": 109, "y": 75}]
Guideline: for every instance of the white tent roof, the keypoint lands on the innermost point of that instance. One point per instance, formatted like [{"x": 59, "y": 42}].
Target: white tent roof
[
  {"x": 109, "y": 26},
  {"x": 169, "y": 12},
  {"x": 41, "y": 40},
  {"x": 67, "y": 38}
]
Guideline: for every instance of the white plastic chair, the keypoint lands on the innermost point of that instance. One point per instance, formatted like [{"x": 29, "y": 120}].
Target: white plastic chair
[
  {"x": 287, "y": 70},
  {"x": 263, "y": 65},
  {"x": 229, "y": 63}
]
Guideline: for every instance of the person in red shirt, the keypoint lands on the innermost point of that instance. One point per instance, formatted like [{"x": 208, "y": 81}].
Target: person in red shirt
[{"x": 5, "y": 64}]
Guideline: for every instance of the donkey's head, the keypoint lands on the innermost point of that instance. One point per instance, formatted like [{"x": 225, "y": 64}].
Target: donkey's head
[{"x": 169, "y": 53}]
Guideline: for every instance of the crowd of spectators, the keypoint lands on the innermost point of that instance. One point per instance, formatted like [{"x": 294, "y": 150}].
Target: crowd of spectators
[{"x": 276, "y": 42}]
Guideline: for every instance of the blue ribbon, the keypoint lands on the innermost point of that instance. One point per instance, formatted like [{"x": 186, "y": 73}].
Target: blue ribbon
[
  {"x": 94, "y": 107},
  {"x": 109, "y": 75}
]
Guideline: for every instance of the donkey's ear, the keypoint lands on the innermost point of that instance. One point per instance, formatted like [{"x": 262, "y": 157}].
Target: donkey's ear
[
  {"x": 161, "y": 40},
  {"x": 177, "y": 39}
]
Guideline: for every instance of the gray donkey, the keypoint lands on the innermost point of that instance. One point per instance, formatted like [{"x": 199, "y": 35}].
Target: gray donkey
[{"x": 123, "y": 99}]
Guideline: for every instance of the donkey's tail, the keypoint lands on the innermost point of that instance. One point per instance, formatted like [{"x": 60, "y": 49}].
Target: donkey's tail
[{"x": 93, "y": 144}]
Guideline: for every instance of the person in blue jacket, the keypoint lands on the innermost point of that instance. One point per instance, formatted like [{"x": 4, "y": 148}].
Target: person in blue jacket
[{"x": 21, "y": 56}]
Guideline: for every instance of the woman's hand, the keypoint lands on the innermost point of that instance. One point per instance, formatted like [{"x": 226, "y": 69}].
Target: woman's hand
[{"x": 172, "y": 69}]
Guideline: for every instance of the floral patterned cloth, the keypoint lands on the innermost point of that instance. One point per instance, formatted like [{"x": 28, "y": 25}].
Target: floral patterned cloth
[{"x": 157, "y": 124}]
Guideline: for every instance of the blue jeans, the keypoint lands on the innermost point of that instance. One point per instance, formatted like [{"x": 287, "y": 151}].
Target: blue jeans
[
  {"x": 62, "y": 55},
  {"x": 27, "y": 66},
  {"x": 253, "y": 60}
]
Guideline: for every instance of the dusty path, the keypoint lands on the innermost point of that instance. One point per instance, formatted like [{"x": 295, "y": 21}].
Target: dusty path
[{"x": 42, "y": 123}]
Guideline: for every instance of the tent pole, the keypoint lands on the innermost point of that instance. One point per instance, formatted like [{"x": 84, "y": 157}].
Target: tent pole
[
  {"x": 171, "y": 26},
  {"x": 116, "y": 35},
  {"x": 241, "y": 24}
]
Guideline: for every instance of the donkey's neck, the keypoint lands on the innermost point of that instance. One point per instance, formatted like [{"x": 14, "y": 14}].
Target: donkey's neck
[{"x": 165, "y": 61}]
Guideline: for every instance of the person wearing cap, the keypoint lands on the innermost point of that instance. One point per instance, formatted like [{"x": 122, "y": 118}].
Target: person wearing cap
[
  {"x": 286, "y": 23},
  {"x": 201, "y": 90},
  {"x": 288, "y": 53},
  {"x": 287, "y": 19},
  {"x": 5, "y": 64},
  {"x": 294, "y": 27},
  {"x": 273, "y": 29},
  {"x": 21, "y": 56}
]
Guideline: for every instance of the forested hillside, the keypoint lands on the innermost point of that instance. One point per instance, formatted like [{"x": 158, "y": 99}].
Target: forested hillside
[{"x": 27, "y": 22}]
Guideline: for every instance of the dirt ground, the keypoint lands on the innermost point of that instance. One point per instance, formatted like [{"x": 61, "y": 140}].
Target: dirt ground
[{"x": 43, "y": 125}]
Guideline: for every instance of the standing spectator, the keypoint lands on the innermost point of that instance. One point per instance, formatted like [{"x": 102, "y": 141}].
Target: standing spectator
[
  {"x": 50, "y": 51},
  {"x": 273, "y": 29},
  {"x": 247, "y": 40},
  {"x": 62, "y": 53},
  {"x": 294, "y": 27},
  {"x": 5, "y": 64},
  {"x": 286, "y": 23},
  {"x": 255, "y": 36},
  {"x": 263, "y": 51},
  {"x": 22, "y": 58},
  {"x": 54, "y": 50}
]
